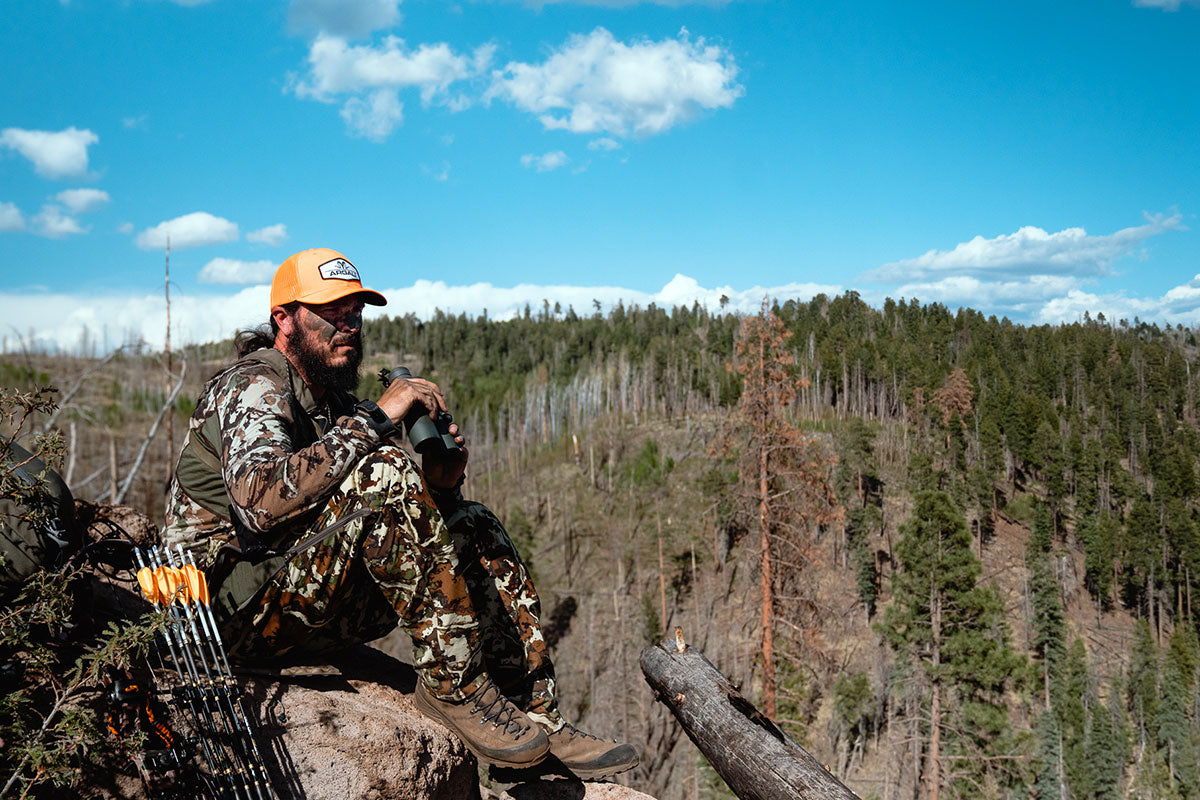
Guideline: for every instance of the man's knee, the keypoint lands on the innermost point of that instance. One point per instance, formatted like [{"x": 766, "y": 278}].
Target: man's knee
[{"x": 389, "y": 471}]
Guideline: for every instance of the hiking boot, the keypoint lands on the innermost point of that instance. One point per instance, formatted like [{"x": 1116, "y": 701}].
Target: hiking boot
[
  {"x": 590, "y": 757},
  {"x": 491, "y": 727}
]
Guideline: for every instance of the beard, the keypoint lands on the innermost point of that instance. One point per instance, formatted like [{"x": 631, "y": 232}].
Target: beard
[{"x": 312, "y": 362}]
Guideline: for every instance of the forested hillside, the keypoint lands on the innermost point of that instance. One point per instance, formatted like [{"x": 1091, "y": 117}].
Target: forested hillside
[{"x": 980, "y": 538}]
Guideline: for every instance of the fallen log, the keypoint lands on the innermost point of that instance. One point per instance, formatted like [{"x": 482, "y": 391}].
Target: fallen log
[{"x": 750, "y": 752}]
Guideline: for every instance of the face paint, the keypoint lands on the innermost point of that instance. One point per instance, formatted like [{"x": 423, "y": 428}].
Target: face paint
[
  {"x": 341, "y": 315},
  {"x": 328, "y": 354},
  {"x": 317, "y": 326}
]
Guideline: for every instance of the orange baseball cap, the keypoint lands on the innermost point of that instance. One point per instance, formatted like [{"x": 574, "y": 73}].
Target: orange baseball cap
[{"x": 319, "y": 276}]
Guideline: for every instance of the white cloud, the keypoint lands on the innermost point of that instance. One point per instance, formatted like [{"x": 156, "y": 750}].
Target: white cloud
[
  {"x": 58, "y": 320},
  {"x": 1030, "y": 250},
  {"x": 371, "y": 77},
  {"x": 336, "y": 67},
  {"x": 11, "y": 218},
  {"x": 125, "y": 228},
  {"x": 238, "y": 273},
  {"x": 1051, "y": 299},
  {"x": 271, "y": 235},
  {"x": 341, "y": 18},
  {"x": 54, "y": 154},
  {"x": 546, "y": 161},
  {"x": 1179, "y": 305},
  {"x": 604, "y": 143},
  {"x": 191, "y": 230},
  {"x": 80, "y": 201},
  {"x": 52, "y": 223},
  {"x": 595, "y": 84},
  {"x": 134, "y": 122},
  {"x": 1015, "y": 298},
  {"x": 424, "y": 296},
  {"x": 1165, "y": 5},
  {"x": 375, "y": 116}
]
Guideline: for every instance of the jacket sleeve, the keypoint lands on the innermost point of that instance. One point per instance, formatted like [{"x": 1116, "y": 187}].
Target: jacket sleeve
[{"x": 271, "y": 481}]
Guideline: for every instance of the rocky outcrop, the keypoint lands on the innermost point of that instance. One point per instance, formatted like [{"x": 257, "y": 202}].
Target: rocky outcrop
[{"x": 355, "y": 733}]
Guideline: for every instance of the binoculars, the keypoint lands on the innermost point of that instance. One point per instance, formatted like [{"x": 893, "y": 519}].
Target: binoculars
[{"x": 426, "y": 435}]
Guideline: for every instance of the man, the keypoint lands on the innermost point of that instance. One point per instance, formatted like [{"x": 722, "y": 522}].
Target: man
[{"x": 279, "y": 452}]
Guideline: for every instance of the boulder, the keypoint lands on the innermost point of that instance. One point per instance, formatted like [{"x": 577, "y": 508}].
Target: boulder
[{"x": 355, "y": 733}]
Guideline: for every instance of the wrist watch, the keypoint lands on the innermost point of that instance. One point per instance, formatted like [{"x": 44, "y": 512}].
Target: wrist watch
[{"x": 378, "y": 420}]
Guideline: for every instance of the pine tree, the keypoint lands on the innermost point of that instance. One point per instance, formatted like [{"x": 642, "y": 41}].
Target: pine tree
[
  {"x": 861, "y": 492},
  {"x": 951, "y": 630},
  {"x": 1049, "y": 627},
  {"x": 1142, "y": 686},
  {"x": 1104, "y": 757},
  {"x": 1123, "y": 734},
  {"x": 1072, "y": 708},
  {"x": 1141, "y": 557},
  {"x": 1097, "y": 538},
  {"x": 1176, "y": 738},
  {"x": 1153, "y": 779},
  {"x": 1047, "y": 766}
]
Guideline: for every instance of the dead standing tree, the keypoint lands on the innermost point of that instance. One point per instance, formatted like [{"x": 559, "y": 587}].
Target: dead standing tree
[{"x": 783, "y": 484}]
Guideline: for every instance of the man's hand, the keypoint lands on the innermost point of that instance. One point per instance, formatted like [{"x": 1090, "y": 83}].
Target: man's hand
[
  {"x": 403, "y": 393},
  {"x": 444, "y": 469}
]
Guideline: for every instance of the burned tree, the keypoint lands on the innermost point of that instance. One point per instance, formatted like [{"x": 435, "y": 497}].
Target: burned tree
[{"x": 783, "y": 488}]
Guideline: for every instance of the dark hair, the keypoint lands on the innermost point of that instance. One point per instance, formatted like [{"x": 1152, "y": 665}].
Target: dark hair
[{"x": 248, "y": 340}]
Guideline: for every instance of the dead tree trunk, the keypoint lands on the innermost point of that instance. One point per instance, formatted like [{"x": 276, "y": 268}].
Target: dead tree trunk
[{"x": 750, "y": 752}]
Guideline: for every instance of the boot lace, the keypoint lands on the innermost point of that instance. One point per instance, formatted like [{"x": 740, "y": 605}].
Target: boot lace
[
  {"x": 572, "y": 731},
  {"x": 499, "y": 711}
]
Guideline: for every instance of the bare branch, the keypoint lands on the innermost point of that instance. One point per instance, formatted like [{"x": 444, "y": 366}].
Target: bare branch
[
  {"x": 74, "y": 390},
  {"x": 137, "y": 462}
]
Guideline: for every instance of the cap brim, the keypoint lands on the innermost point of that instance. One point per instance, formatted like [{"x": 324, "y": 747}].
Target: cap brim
[{"x": 329, "y": 294}]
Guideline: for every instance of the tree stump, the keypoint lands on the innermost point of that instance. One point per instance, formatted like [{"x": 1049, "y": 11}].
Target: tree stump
[{"x": 750, "y": 752}]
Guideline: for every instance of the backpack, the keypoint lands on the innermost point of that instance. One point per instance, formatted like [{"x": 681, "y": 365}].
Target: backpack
[{"x": 37, "y": 518}]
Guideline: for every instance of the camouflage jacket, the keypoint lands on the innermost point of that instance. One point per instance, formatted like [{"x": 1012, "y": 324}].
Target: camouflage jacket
[{"x": 259, "y": 442}]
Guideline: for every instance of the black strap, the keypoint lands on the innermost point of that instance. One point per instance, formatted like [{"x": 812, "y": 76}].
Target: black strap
[
  {"x": 378, "y": 420},
  {"x": 287, "y": 555},
  {"x": 450, "y": 503},
  {"x": 233, "y": 553},
  {"x": 248, "y": 542}
]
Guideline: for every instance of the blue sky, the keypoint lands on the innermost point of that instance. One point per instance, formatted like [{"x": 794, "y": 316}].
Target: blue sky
[{"x": 1033, "y": 160}]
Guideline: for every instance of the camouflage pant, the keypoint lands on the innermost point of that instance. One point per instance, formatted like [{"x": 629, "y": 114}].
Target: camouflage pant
[{"x": 463, "y": 594}]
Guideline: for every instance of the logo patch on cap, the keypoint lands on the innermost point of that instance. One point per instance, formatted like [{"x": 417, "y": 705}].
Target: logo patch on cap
[{"x": 339, "y": 268}]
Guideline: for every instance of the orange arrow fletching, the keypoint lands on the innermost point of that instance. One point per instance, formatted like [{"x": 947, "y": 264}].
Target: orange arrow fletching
[
  {"x": 168, "y": 583},
  {"x": 181, "y": 585},
  {"x": 145, "y": 577},
  {"x": 196, "y": 583},
  {"x": 184, "y": 588}
]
